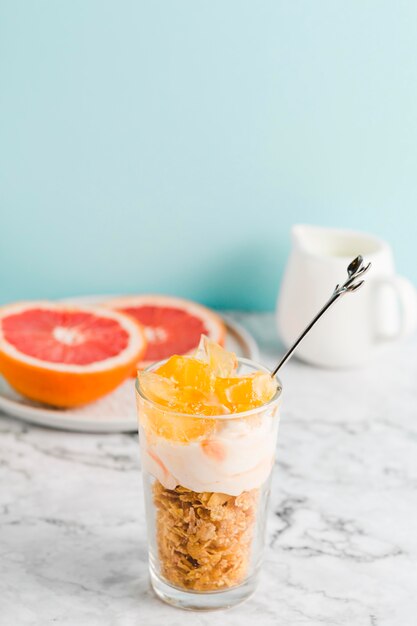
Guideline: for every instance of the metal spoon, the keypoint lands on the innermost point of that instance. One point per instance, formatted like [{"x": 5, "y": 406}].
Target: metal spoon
[
  {"x": 354, "y": 265},
  {"x": 355, "y": 269}
]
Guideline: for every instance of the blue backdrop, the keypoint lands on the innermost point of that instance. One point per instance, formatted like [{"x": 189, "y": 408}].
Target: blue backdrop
[{"x": 169, "y": 146}]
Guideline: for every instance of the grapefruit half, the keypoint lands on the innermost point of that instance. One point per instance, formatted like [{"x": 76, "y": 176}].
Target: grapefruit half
[
  {"x": 64, "y": 355},
  {"x": 172, "y": 325}
]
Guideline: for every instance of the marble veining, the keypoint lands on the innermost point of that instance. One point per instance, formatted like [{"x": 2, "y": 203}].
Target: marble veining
[{"x": 342, "y": 540}]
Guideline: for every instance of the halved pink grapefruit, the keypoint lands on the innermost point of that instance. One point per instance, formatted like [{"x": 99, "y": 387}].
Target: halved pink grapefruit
[
  {"x": 64, "y": 355},
  {"x": 172, "y": 325}
]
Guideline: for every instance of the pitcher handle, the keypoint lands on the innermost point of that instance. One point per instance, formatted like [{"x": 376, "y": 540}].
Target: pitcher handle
[{"x": 403, "y": 308}]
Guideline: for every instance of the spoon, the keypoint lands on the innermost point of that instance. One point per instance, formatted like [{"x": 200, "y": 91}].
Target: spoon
[
  {"x": 355, "y": 269},
  {"x": 354, "y": 265}
]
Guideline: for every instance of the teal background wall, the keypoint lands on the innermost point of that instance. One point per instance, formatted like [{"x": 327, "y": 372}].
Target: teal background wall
[{"x": 169, "y": 146}]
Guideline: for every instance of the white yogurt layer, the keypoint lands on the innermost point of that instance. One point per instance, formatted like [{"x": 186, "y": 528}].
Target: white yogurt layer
[{"x": 236, "y": 458}]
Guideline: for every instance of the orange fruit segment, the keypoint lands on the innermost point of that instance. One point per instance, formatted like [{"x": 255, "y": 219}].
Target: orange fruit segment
[
  {"x": 242, "y": 393},
  {"x": 168, "y": 394},
  {"x": 199, "y": 387},
  {"x": 187, "y": 372},
  {"x": 158, "y": 388},
  {"x": 182, "y": 429},
  {"x": 221, "y": 362}
]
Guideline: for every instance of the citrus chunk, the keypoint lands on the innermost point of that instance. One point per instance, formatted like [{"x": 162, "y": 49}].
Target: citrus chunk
[
  {"x": 158, "y": 389},
  {"x": 187, "y": 372},
  {"x": 178, "y": 428},
  {"x": 242, "y": 393},
  {"x": 221, "y": 362},
  {"x": 190, "y": 390},
  {"x": 172, "y": 395},
  {"x": 177, "y": 400},
  {"x": 196, "y": 402}
]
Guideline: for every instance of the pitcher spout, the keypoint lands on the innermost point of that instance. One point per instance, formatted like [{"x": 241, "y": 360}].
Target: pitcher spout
[
  {"x": 329, "y": 243},
  {"x": 303, "y": 235},
  {"x": 311, "y": 239}
]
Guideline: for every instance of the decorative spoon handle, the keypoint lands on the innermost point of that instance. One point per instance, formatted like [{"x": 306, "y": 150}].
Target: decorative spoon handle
[{"x": 355, "y": 269}]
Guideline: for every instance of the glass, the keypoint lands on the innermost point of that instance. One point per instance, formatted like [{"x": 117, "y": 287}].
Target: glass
[{"x": 206, "y": 483}]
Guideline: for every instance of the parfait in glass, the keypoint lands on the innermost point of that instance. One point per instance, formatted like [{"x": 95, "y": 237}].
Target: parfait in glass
[{"x": 208, "y": 426}]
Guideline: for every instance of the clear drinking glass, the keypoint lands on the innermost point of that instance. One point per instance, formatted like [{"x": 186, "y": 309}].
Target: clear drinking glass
[{"x": 206, "y": 483}]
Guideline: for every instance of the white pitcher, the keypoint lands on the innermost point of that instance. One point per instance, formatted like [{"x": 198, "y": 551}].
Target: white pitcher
[{"x": 358, "y": 326}]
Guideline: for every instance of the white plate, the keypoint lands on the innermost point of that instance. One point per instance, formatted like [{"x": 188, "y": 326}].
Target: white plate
[{"x": 116, "y": 412}]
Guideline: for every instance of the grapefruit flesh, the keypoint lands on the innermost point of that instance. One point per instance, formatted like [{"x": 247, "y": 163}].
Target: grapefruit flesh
[
  {"x": 66, "y": 356},
  {"x": 172, "y": 325}
]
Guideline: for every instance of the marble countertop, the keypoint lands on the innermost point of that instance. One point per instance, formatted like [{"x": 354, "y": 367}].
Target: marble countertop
[{"x": 342, "y": 540}]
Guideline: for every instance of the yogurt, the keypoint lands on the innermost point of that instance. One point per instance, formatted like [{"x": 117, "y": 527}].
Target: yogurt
[{"x": 237, "y": 457}]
